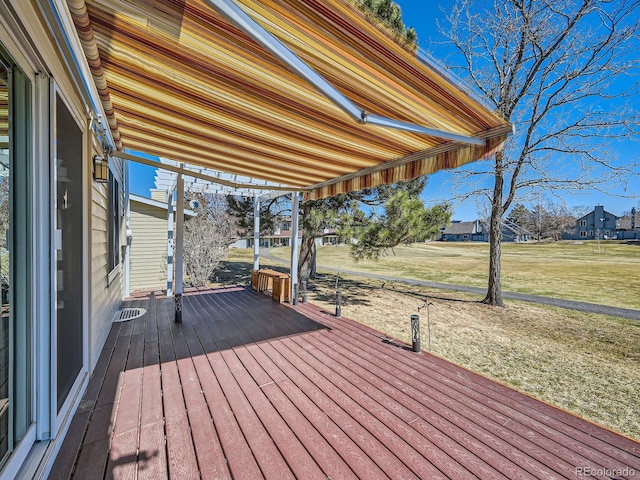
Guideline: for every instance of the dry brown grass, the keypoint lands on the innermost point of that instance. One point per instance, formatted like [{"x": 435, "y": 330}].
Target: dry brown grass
[{"x": 585, "y": 363}]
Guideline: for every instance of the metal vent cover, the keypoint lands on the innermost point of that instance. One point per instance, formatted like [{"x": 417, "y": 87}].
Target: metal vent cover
[{"x": 127, "y": 314}]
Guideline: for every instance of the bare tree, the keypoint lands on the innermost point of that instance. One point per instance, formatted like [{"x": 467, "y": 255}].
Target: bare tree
[
  {"x": 552, "y": 68},
  {"x": 207, "y": 237}
]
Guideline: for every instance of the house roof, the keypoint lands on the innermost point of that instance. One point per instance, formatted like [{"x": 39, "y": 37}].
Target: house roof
[
  {"x": 460, "y": 228},
  {"x": 157, "y": 204},
  {"x": 180, "y": 80},
  {"x": 604, "y": 212}
]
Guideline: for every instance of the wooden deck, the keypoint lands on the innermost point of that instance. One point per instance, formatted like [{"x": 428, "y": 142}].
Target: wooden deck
[{"x": 247, "y": 388}]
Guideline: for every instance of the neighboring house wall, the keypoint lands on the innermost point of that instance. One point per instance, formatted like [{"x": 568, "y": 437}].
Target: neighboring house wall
[
  {"x": 629, "y": 226},
  {"x": 464, "y": 232},
  {"x": 148, "y": 246},
  {"x": 597, "y": 224}
]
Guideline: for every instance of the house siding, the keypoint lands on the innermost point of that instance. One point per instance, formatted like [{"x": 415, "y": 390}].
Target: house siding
[
  {"x": 107, "y": 288},
  {"x": 148, "y": 247}
]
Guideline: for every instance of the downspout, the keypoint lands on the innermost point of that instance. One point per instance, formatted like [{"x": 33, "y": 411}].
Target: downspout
[{"x": 129, "y": 234}]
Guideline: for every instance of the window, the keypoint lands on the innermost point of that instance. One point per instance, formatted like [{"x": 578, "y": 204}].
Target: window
[
  {"x": 591, "y": 233},
  {"x": 583, "y": 223},
  {"x": 114, "y": 222},
  {"x": 583, "y": 234}
]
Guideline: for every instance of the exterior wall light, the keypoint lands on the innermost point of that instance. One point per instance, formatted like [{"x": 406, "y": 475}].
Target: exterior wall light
[{"x": 100, "y": 169}]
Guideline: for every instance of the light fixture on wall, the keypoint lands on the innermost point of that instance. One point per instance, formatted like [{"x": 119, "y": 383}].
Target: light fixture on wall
[{"x": 100, "y": 169}]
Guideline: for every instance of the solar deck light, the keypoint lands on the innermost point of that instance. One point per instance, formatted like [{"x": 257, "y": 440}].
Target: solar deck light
[{"x": 415, "y": 332}]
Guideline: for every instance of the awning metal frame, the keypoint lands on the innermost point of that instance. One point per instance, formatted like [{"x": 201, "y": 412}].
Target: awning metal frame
[
  {"x": 246, "y": 24},
  {"x": 202, "y": 176}
]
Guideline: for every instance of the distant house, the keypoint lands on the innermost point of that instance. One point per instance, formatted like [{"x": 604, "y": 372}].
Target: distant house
[
  {"x": 281, "y": 237},
  {"x": 596, "y": 225},
  {"x": 478, "y": 231},
  {"x": 475, "y": 231},
  {"x": 628, "y": 227}
]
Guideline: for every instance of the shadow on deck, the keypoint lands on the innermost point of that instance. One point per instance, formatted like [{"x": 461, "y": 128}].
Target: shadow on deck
[{"x": 247, "y": 388}]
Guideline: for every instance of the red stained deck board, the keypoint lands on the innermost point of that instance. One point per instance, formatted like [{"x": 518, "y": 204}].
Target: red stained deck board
[
  {"x": 244, "y": 380},
  {"x": 446, "y": 414},
  {"x": 180, "y": 452},
  {"x": 491, "y": 401},
  {"x": 431, "y": 443},
  {"x": 152, "y": 459},
  {"x": 349, "y": 451},
  {"x": 267, "y": 455},
  {"x": 371, "y": 416},
  {"x": 308, "y": 382},
  {"x": 450, "y": 435},
  {"x": 239, "y": 456},
  {"x": 487, "y": 395},
  {"x": 326, "y": 457},
  {"x": 300, "y": 462}
]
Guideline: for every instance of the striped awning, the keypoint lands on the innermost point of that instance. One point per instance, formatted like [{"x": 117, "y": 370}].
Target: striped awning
[{"x": 178, "y": 80}]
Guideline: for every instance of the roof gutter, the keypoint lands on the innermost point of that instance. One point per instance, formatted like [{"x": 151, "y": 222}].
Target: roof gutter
[{"x": 246, "y": 24}]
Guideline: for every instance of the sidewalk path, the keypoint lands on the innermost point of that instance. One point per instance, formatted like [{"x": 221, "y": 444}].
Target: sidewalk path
[{"x": 524, "y": 297}]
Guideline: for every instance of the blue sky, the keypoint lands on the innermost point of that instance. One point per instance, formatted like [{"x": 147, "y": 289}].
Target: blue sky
[{"x": 422, "y": 15}]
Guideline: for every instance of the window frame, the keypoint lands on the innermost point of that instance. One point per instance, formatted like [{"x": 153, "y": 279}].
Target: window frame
[{"x": 114, "y": 261}]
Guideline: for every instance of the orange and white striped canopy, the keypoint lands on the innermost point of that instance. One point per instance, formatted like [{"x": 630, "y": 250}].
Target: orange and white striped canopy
[{"x": 178, "y": 80}]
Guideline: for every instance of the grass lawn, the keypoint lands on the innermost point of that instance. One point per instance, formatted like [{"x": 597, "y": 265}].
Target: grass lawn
[
  {"x": 585, "y": 363},
  {"x": 570, "y": 270}
]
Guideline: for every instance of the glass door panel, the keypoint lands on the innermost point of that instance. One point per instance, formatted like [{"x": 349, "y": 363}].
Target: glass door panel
[
  {"x": 4, "y": 258},
  {"x": 16, "y": 396}
]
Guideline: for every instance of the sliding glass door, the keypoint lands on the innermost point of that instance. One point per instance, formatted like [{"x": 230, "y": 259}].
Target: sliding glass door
[{"x": 16, "y": 226}]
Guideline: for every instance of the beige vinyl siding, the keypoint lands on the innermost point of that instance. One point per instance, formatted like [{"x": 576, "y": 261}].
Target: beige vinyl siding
[
  {"x": 106, "y": 297},
  {"x": 148, "y": 247}
]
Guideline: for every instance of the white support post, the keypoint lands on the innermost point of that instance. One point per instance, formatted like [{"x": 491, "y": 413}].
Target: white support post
[
  {"x": 294, "y": 247},
  {"x": 179, "y": 253},
  {"x": 256, "y": 233},
  {"x": 170, "y": 243}
]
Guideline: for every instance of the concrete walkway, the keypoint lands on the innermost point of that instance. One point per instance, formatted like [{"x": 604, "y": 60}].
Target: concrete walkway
[{"x": 524, "y": 297}]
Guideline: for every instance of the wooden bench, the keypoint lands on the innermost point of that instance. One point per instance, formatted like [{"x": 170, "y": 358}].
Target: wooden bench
[{"x": 278, "y": 282}]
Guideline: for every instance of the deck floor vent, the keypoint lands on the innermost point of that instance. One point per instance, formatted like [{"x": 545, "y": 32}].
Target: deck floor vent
[{"x": 127, "y": 314}]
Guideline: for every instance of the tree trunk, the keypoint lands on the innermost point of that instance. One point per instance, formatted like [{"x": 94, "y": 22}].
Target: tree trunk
[
  {"x": 307, "y": 261},
  {"x": 494, "y": 290}
]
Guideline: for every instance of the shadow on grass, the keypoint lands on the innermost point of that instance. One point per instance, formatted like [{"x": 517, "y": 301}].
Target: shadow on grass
[
  {"x": 235, "y": 272},
  {"x": 323, "y": 285}
]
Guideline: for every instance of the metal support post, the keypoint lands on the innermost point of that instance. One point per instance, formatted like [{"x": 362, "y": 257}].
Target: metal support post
[
  {"x": 338, "y": 303},
  {"x": 179, "y": 253}
]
